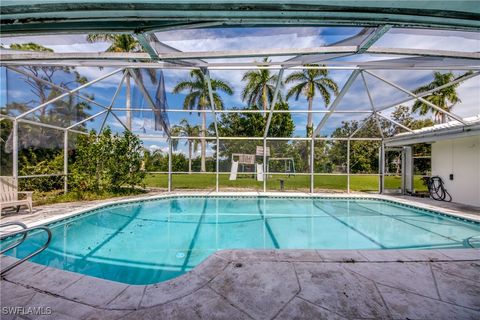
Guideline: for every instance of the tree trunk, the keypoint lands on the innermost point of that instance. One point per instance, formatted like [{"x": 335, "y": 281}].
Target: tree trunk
[
  {"x": 189, "y": 156},
  {"x": 203, "y": 142},
  {"x": 265, "y": 100},
  {"x": 310, "y": 117},
  {"x": 309, "y": 128}
]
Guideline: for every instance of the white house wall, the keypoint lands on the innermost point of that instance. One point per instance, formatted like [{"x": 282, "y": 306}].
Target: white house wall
[{"x": 460, "y": 157}]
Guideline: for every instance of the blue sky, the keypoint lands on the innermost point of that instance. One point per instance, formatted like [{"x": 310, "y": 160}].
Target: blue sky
[{"x": 257, "y": 38}]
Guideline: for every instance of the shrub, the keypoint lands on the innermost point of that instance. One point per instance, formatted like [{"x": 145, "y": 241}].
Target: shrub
[{"x": 107, "y": 162}]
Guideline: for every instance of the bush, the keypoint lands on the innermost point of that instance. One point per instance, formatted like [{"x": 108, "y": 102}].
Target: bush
[
  {"x": 107, "y": 162},
  {"x": 31, "y": 165}
]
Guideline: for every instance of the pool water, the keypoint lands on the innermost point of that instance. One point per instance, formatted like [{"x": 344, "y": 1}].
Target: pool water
[{"x": 153, "y": 241}]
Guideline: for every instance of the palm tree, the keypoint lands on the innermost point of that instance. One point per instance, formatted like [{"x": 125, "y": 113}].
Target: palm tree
[
  {"x": 444, "y": 98},
  {"x": 308, "y": 82},
  {"x": 260, "y": 86},
  {"x": 186, "y": 130},
  {"x": 198, "y": 98},
  {"x": 120, "y": 42}
]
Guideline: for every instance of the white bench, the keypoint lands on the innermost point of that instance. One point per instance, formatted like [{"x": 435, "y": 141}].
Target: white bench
[{"x": 9, "y": 194}]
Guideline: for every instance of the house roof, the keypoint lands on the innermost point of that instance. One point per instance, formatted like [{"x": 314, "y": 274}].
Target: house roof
[{"x": 449, "y": 130}]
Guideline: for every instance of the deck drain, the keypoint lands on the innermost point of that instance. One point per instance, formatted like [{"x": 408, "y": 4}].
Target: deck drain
[{"x": 180, "y": 255}]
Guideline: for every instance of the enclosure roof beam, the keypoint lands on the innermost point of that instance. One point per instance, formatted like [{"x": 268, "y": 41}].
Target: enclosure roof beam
[
  {"x": 149, "y": 99},
  {"x": 392, "y": 64},
  {"x": 68, "y": 93},
  {"x": 337, "y": 100},
  {"x": 379, "y": 126},
  {"x": 373, "y": 37},
  {"x": 315, "y": 59},
  {"x": 454, "y": 116},
  {"x": 167, "y": 56},
  {"x": 210, "y": 96},
  {"x": 41, "y": 124},
  {"x": 273, "y": 102},
  {"x": 145, "y": 44},
  {"x": 110, "y": 106},
  {"x": 77, "y": 94},
  {"x": 159, "y": 46},
  {"x": 146, "y": 40}
]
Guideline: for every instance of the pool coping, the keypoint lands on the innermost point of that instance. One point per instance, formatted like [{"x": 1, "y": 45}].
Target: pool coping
[
  {"x": 110, "y": 295},
  {"x": 418, "y": 205}
]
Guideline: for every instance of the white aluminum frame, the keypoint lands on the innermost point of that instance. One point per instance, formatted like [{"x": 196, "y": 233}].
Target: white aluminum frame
[{"x": 175, "y": 59}]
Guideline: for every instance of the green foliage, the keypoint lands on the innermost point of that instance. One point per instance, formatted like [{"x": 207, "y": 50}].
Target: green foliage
[
  {"x": 444, "y": 98},
  {"x": 308, "y": 82},
  {"x": 39, "y": 162},
  {"x": 260, "y": 86},
  {"x": 107, "y": 162}
]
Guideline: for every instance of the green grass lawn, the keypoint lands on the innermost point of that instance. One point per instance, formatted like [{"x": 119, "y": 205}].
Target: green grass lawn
[
  {"x": 57, "y": 196},
  {"x": 246, "y": 181},
  {"x": 207, "y": 181}
]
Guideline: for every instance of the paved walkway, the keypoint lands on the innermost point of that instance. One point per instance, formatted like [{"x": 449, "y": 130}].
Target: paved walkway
[{"x": 268, "y": 284}]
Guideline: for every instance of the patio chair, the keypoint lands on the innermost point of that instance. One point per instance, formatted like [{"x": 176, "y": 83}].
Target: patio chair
[{"x": 9, "y": 194}]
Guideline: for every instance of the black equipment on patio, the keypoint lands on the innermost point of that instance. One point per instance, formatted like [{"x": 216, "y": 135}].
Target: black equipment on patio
[{"x": 437, "y": 189}]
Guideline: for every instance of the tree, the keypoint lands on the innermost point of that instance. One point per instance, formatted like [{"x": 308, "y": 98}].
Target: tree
[
  {"x": 252, "y": 125},
  {"x": 260, "y": 87},
  {"x": 187, "y": 130},
  {"x": 198, "y": 98},
  {"x": 66, "y": 111},
  {"x": 107, "y": 162},
  {"x": 308, "y": 82},
  {"x": 403, "y": 116},
  {"x": 364, "y": 154},
  {"x": 445, "y": 98}
]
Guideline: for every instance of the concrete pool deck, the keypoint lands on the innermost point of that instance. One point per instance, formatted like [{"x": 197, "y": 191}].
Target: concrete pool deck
[
  {"x": 266, "y": 284},
  {"x": 260, "y": 284}
]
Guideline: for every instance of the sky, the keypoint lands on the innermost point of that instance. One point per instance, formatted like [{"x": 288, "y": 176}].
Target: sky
[{"x": 222, "y": 39}]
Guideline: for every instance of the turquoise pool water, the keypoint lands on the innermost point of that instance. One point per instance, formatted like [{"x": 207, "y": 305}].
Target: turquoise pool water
[{"x": 153, "y": 241}]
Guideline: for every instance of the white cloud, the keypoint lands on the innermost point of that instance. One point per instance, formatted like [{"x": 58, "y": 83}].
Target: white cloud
[{"x": 155, "y": 147}]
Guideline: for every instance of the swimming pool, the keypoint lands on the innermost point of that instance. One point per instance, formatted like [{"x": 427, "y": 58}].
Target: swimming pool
[{"x": 145, "y": 242}]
